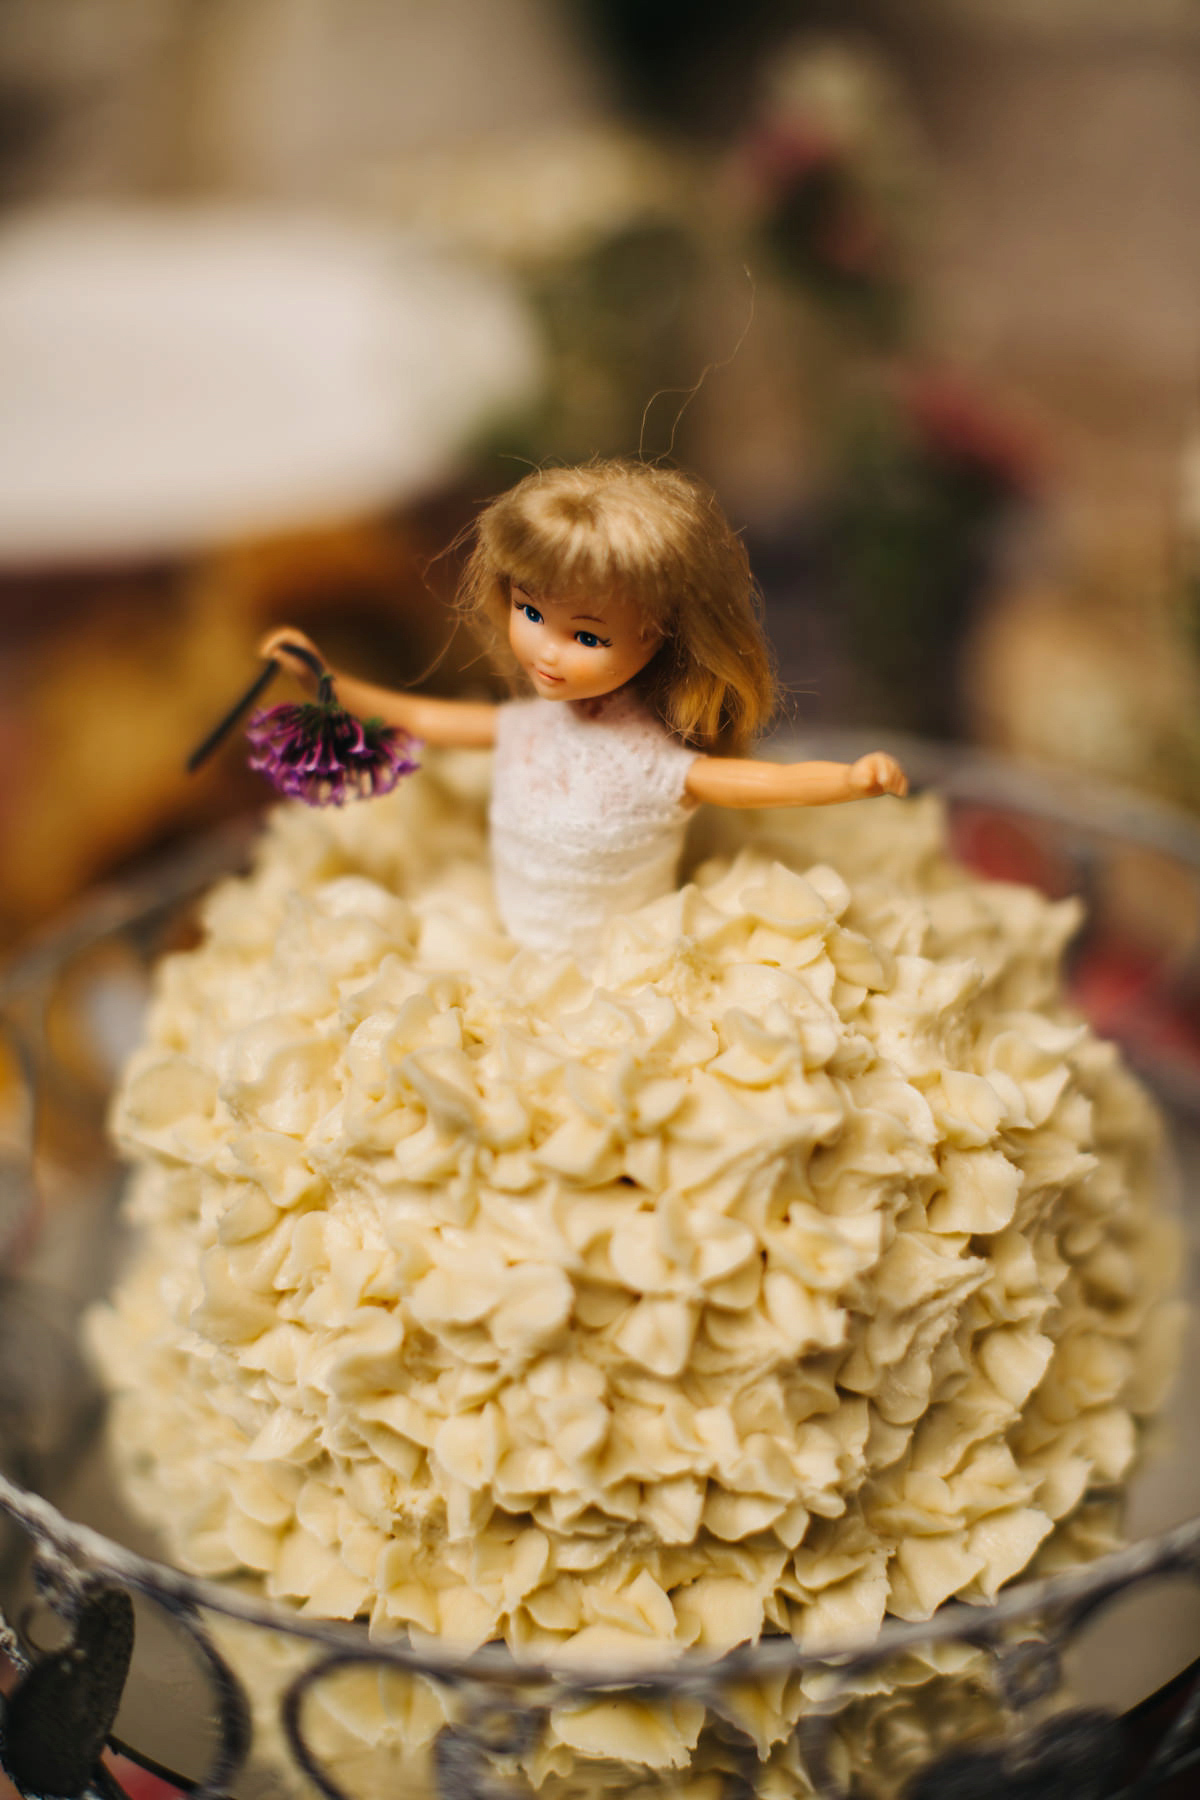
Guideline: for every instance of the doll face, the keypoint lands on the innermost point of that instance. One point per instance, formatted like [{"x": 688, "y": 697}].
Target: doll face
[{"x": 576, "y": 646}]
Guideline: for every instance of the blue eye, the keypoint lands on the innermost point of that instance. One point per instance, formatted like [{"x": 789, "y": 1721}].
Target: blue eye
[
  {"x": 531, "y": 612},
  {"x": 588, "y": 639}
]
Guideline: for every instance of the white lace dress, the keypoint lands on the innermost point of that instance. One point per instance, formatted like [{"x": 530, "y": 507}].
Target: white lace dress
[{"x": 588, "y": 816}]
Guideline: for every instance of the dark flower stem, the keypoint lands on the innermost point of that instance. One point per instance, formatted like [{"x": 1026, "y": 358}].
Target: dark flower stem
[{"x": 255, "y": 691}]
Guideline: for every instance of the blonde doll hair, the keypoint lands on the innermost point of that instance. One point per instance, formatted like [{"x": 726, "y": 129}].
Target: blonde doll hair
[{"x": 659, "y": 538}]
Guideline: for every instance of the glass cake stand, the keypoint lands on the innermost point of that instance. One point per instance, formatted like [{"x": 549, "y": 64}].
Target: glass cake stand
[{"x": 126, "y": 1673}]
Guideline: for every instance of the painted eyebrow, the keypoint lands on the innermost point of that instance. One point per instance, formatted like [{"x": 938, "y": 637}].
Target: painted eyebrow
[{"x": 587, "y": 618}]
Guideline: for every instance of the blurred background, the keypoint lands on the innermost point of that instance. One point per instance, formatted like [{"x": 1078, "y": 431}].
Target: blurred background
[{"x": 287, "y": 287}]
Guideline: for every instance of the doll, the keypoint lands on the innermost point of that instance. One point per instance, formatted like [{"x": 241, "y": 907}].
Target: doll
[{"x": 621, "y": 596}]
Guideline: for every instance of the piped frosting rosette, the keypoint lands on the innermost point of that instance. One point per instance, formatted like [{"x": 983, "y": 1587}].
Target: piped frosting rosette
[{"x": 795, "y": 1263}]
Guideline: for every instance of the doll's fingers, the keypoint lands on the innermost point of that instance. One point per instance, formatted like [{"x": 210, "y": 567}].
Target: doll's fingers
[
  {"x": 273, "y": 641},
  {"x": 878, "y": 773},
  {"x": 291, "y": 648},
  {"x": 892, "y": 779}
]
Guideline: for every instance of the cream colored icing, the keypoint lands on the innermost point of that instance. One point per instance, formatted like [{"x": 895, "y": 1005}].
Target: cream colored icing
[{"x": 795, "y": 1264}]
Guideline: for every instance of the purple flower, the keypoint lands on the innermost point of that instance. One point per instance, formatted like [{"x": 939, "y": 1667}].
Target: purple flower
[{"x": 320, "y": 753}]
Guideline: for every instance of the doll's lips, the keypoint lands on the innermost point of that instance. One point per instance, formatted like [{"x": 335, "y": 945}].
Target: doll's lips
[{"x": 544, "y": 676}]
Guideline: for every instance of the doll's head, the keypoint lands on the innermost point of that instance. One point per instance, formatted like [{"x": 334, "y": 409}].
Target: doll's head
[{"x": 659, "y": 540}]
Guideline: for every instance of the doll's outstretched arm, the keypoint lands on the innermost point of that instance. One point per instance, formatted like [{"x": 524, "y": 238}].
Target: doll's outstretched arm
[
  {"x": 462, "y": 724},
  {"x": 729, "y": 781}
]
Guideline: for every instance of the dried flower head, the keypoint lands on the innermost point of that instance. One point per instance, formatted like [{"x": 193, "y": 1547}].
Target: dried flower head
[{"x": 320, "y": 753}]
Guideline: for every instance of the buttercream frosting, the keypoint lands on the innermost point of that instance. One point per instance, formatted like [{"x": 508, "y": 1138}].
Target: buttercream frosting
[{"x": 794, "y": 1263}]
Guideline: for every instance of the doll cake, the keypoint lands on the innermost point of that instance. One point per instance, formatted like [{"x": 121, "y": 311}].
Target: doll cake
[{"x": 769, "y": 1253}]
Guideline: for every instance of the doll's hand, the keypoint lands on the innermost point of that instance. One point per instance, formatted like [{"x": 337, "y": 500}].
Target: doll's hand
[
  {"x": 877, "y": 773},
  {"x": 279, "y": 643}
]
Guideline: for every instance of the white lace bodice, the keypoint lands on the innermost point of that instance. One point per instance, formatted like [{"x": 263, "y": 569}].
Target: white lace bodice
[{"x": 588, "y": 816}]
